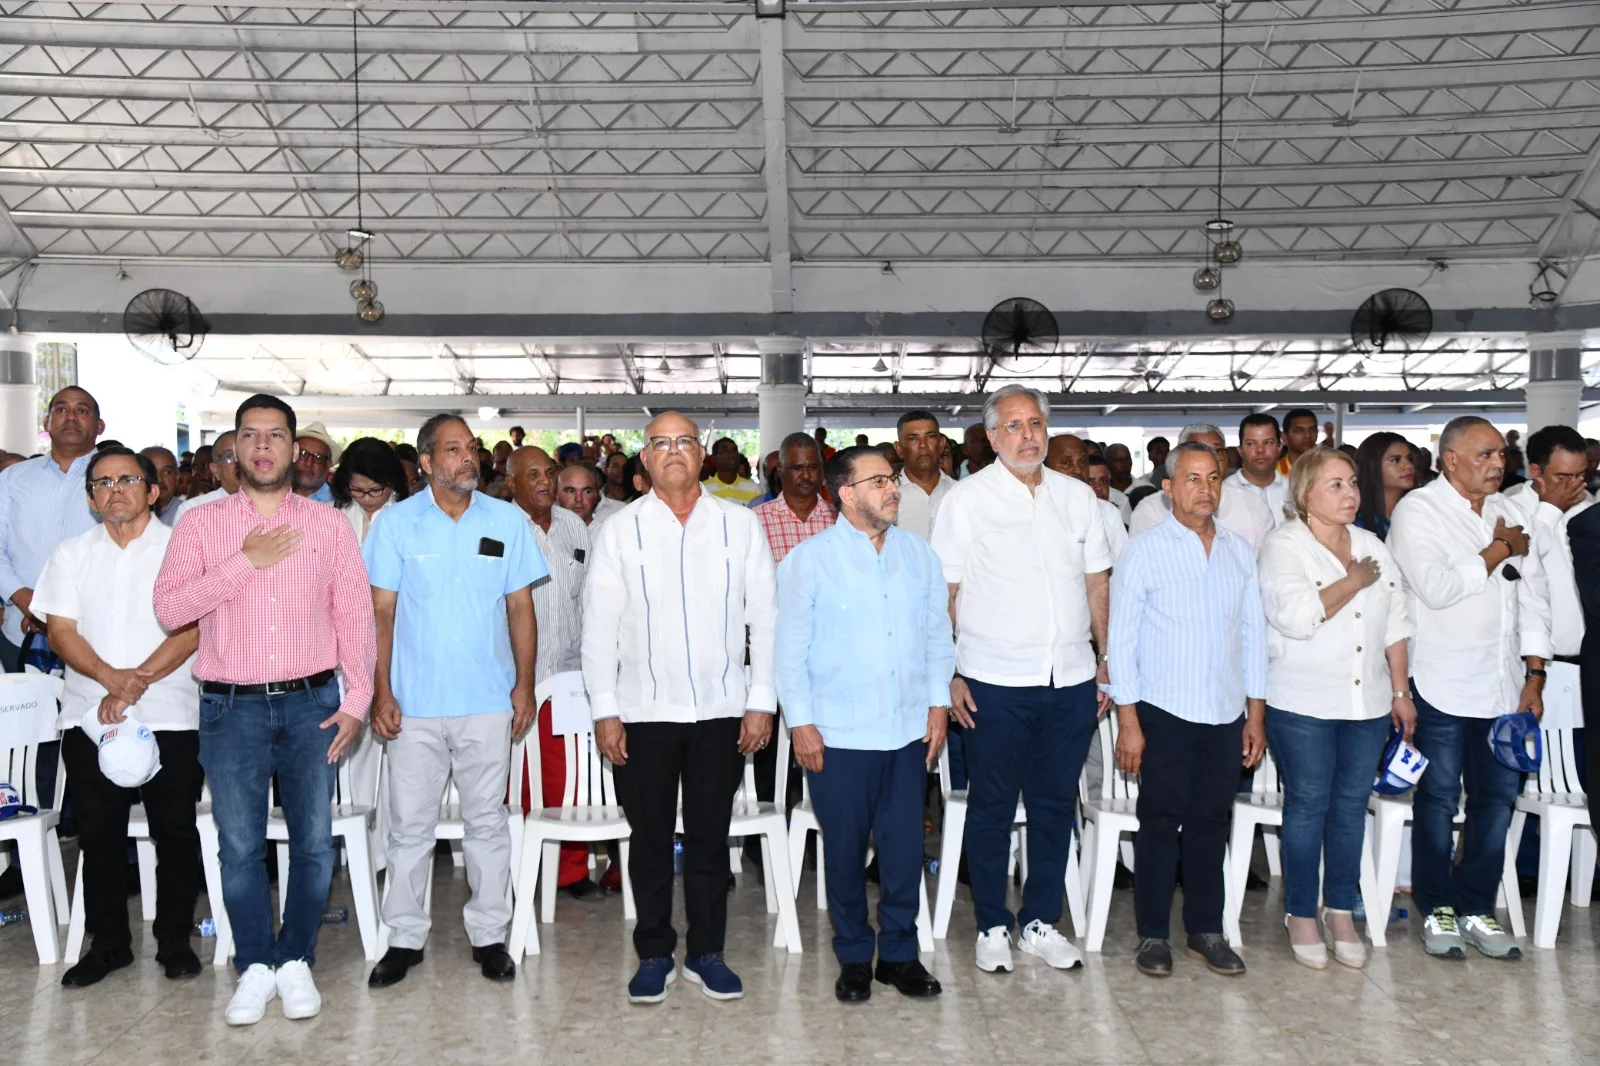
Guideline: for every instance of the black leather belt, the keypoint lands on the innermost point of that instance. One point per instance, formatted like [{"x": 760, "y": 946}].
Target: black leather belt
[
  {"x": 271, "y": 688},
  {"x": 1573, "y": 659}
]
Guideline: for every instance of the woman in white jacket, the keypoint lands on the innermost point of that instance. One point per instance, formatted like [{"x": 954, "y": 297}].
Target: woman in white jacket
[
  {"x": 368, "y": 480},
  {"x": 1336, "y": 679}
]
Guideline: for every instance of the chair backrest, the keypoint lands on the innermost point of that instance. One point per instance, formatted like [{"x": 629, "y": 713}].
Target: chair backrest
[
  {"x": 1265, "y": 780},
  {"x": 747, "y": 787},
  {"x": 1114, "y": 784},
  {"x": 1558, "y": 770},
  {"x": 19, "y": 767},
  {"x": 944, "y": 770}
]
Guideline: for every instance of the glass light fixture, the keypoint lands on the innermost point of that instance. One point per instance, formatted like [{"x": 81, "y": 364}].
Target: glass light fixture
[
  {"x": 363, "y": 289},
  {"x": 370, "y": 311},
  {"x": 1229, "y": 252},
  {"x": 1206, "y": 279},
  {"x": 349, "y": 259},
  {"x": 1219, "y": 310}
]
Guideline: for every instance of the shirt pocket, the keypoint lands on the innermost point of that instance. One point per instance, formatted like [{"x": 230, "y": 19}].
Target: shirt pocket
[
  {"x": 487, "y": 574},
  {"x": 421, "y": 574}
]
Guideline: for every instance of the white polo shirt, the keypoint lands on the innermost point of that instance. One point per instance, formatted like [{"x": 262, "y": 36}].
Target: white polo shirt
[
  {"x": 1022, "y": 614},
  {"x": 1473, "y": 626},
  {"x": 1275, "y": 495},
  {"x": 918, "y": 509},
  {"x": 109, "y": 592}
]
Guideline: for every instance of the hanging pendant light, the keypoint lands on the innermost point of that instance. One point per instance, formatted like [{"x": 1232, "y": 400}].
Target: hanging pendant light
[
  {"x": 1219, "y": 310},
  {"x": 1206, "y": 279},
  {"x": 1224, "y": 249},
  {"x": 363, "y": 290},
  {"x": 370, "y": 311}
]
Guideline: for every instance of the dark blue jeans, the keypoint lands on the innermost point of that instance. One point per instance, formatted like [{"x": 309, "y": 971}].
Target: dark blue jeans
[
  {"x": 1028, "y": 741},
  {"x": 1328, "y": 768},
  {"x": 244, "y": 742},
  {"x": 1458, "y": 754},
  {"x": 877, "y": 793}
]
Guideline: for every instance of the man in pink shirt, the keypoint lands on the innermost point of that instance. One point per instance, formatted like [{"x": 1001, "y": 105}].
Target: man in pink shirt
[{"x": 279, "y": 589}]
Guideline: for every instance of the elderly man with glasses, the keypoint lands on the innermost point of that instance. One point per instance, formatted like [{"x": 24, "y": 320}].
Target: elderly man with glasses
[
  {"x": 1028, "y": 567},
  {"x": 676, "y": 578},
  {"x": 316, "y": 452}
]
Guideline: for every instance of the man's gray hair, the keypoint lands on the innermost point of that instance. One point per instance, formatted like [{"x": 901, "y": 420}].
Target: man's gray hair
[
  {"x": 1191, "y": 447},
  {"x": 991, "y": 414},
  {"x": 1195, "y": 429},
  {"x": 1457, "y": 426}
]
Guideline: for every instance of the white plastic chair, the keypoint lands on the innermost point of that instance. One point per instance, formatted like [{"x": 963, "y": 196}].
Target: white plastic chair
[
  {"x": 952, "y": 835},
  {"x": 589, "y": 812},
  {"x": 354, "y": 815},
  {"x": 1566, "y": 837},
  {"x": 1106, "y": 817},
  {"x": 44, "y": 879},
  {"x": 1261, "y": 807},
  {"x": 802, "y": 823}
]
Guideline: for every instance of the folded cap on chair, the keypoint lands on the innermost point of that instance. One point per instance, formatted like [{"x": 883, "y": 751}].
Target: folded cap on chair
[
  {"x": 128, "y": 753},
  {"x": 1401, "y": 767},
  {"x": 1516, "y": 742},
  {"x": 11, "y": 803}
]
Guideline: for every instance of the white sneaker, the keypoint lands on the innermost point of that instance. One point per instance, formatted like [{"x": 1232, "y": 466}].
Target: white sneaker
[
  {"x": 1047, "y": 942},
  {"x": 994, "y": 950},
  {"x": 298, "y": 991},
  {"x": 256, "y": 988}
]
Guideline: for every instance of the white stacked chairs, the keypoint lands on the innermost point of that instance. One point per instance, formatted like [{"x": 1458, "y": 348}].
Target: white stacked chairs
[
  {"x": 1566, "y": 836},
  {"x": 1108, "y": 813},
  {"x": 802, "y": 823},
  {"x": 44, "y": 879},
  {"x": 354, "y": 816},
  {"x": 953, "y": 832},
  {"x": 589, "y": 813}
]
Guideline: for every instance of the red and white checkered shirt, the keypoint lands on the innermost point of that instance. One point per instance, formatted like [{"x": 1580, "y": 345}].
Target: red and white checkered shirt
[
  {"x": 785, "y": 531},
  {"x": 300, "y": 616}
]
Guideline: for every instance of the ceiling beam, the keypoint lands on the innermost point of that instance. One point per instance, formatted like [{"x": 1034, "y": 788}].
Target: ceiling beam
[
  {"x": 775, "y": 161},
  {"x": 630, "y": 366}
]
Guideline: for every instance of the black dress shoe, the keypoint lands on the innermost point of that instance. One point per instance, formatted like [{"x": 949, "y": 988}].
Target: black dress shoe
[
  {"x": 94, "y": 966},
  {"x": 909, "y": 978},
  {"x": 392, "y": 968},
  {"x": 854, "y": 984},
  {"x": 1154, "y": 958},
  {"x": 1254, "y": 882},
  {"x": 585, "y": 890},
  {"x": 496, "y": 962},
  {"x": 1219, "y": 957},
  {"x": 178, "y": 960}
]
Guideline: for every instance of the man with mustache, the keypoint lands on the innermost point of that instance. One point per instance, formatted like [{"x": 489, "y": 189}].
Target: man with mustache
[
  {"x": 1189, "y": 677},
  {"x": 1027, "y": 565},
  {"x": 451, "y": 571}
]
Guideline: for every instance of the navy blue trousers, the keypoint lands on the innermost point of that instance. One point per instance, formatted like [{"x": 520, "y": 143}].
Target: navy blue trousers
[{"x": 876, "y": 793}]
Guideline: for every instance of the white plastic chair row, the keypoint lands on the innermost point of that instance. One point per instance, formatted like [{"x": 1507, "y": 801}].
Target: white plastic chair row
[
  {"x": 1566, "y": 837},
  {"x": 44, "y": 880}
]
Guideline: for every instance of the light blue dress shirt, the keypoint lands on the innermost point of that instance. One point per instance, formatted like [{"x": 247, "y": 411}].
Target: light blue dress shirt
[
  {"x": 40, "y": 506},
  {"x": 452, "y": 641},
  {"x": 1187, "y": 630},
  {"x": 863, "y": 645},
  {"x": 324, "y": 494}
]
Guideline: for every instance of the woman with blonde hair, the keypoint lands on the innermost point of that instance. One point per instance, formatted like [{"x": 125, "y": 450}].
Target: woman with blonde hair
[{"x": 1336, "y": 679}]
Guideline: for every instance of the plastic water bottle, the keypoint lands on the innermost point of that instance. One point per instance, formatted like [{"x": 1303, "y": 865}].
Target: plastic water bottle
[
  {"x": 13, "y": 915},
  {"x": 207, "y": 927},
  {"x": 933, "y": 866},
  {"x": 336, "y": 916},
  {"x": 677, "y": 856}
]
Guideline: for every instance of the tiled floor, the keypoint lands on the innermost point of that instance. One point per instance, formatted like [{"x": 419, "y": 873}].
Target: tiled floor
[{"x": 568, "y": 1005}]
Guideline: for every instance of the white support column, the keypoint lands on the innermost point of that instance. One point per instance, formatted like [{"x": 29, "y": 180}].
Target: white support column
[
  {"x": 19, "y": 395},
  {"x": 582, "y": 428},
  {"x": 1339, "y": 411},
  {"x": 781, "y": 396},
  {"x": 1555, "y": 379}
]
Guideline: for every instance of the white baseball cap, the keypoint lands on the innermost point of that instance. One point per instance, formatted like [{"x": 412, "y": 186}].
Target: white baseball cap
[{"x": 128, "y": 753}]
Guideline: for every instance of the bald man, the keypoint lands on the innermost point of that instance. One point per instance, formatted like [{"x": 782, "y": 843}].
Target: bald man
[
  {"x": 1069, "y": 455},
  {"x": 224, "y": 471}
]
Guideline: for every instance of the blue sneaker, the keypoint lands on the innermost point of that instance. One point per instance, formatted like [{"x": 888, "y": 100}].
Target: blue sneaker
[
  {"x": 649, "y": 984},
  {"x": 711, "y": 973}
]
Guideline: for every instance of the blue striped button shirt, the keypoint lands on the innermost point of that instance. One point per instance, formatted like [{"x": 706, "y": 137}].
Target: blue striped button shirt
[
  {"x": 40, "y": 506},
  {"x": 1187, "y": 630}
]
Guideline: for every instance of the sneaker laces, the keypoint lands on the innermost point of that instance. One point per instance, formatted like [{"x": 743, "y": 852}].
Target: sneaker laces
[
  {"x": 1444, "y": 919},
  {"x": 1044, "y": 932},
  {"x": 1488, "y": 922}
]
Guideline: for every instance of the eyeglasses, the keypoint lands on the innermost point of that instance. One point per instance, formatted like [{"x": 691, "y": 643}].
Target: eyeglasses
[
  {"x": 225, "y": 459},
  {"x": 126, "y": 481},
  {"x": 316, "y": 457},
  {"x": 675, "y": 444},
  {"x": 1015, "y": 426},
  {"x": 877, "y": 481},
  {"x": 371, "y": 494}
]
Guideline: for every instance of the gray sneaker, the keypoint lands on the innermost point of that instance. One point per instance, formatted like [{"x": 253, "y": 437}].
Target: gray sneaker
[
  {"x": 1485, "y": 934},
  {"x": 1440, "y": 937}
]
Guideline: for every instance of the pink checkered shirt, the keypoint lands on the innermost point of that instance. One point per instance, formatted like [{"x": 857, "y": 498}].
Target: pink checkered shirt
[
  {"x": 300, "y": 616},
  {"x": 785, "y": 531}
]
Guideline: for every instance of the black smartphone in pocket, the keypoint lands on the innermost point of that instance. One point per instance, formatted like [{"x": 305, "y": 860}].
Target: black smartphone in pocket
[{"x": 491, "y": 547}]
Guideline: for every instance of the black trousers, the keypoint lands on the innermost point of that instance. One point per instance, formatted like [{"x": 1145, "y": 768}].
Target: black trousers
[
  {"x": 702, "y": 757},
  {"x": 169, "y": 800},
  {"x": 1187, "y": 783}
]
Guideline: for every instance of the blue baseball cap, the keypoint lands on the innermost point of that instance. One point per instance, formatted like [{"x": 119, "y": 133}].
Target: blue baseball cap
[
  {"x": 11, "y": 803},
  {"x": 1516, "y": 742},
  {"x": 1401, "y": 767},
  {"x": 569, "y": 450}
]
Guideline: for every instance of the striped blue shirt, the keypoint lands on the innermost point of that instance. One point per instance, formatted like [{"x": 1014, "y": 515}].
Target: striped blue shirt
[
  {"x": 1187, "y": 630},
  {"x": 40, "y": 506}
]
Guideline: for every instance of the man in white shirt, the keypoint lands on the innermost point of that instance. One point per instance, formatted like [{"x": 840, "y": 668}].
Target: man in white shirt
[
  {"x": 224, "y": 468},
  {"x": 923, "y": 486},
  {"x": 675, "y": 579},
  {"x": 1482, "y": 611},
  {"x": 558, "y": 612},
  {"x": 578, "y": 491},
  {"x": 1024, "y": 552},
  {"x": 1260, "y": 445},
  {"x": 97, "y": 593},
  {"x": 1068, "y": 455},
  {"x": 1239, "y": 512},
  {"x": 1552, "y": 496}
]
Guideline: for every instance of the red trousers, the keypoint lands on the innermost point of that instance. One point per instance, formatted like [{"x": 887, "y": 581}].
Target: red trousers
[{"x": 574, "y": 865}]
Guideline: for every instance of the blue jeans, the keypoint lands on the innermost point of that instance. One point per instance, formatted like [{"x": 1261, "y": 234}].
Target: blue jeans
[
  {"x": 244, "y": 742},
  {"x": 1030, "y": 741},
  {"x": 1458, "y": 754},
  {"x": 1328, "y": 768}
]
